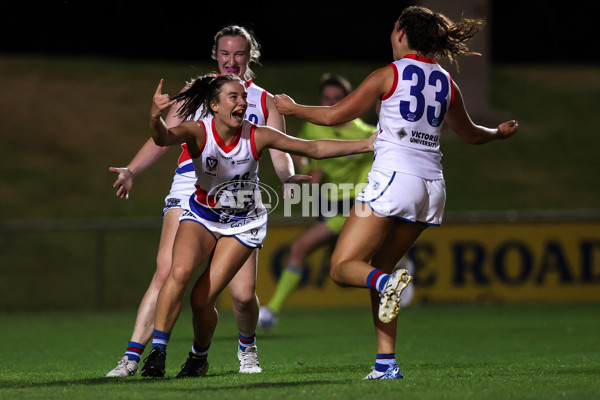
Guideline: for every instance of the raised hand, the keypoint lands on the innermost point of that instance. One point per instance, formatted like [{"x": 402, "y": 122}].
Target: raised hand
[{"x": 160, "y": 101}]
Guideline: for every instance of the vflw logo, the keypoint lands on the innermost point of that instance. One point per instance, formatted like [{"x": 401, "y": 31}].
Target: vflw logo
[{"x": 211, "y": 163}]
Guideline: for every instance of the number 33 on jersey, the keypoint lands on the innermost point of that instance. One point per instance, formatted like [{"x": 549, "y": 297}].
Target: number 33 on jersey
[{"x": 414, "y": 114}]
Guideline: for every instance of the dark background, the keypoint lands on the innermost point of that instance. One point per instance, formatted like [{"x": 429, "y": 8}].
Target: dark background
[{"x": 520, "y": 31}]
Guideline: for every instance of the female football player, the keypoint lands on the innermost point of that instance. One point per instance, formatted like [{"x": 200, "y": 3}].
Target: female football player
[
  {"x": 224, "y": 220},
  {"x": 406, "y": 191}
]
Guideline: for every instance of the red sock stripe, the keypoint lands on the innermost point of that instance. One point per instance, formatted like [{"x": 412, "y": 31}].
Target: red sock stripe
[
  {"x": 135, "y": 350},
  {"x": 246, "y": 340},
  {"x": 373, "y": 281}
]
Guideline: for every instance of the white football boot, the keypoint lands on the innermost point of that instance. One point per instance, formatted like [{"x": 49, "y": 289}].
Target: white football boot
[
  {"x": 249, "y": 361},
  {"x": 125, "y": 367},
  {"x": 393, "y": 372},
  {"x": 389, "y": 305}
]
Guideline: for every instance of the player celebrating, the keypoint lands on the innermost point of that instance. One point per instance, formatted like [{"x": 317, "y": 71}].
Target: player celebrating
[
  {"x": 406, "y": 191},
  {"x": 220, "y": 221},
  {"x": 234, "y": 49}
]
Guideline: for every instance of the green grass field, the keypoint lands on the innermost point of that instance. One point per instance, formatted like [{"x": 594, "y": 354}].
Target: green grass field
[
  {"x": 527, "y": 351},
  {"x": 64, "y": 121}
]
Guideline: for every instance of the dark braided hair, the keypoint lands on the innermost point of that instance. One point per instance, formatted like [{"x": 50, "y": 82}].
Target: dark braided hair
[
  {"x": 200, "y": 92},
  {"x": 435, "y": 35}
]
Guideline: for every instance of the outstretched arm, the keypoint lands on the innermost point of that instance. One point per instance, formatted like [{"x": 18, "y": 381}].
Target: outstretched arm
[
  {"x": 266, "y": 137},
  {"x": 459, "y": 121},
  {"x": 352, "y": 106}
]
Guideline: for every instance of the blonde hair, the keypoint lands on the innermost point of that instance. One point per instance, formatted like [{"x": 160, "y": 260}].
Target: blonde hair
[{"x": 253, "y": 46}]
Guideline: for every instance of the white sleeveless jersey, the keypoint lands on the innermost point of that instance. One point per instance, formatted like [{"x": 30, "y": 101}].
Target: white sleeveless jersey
[
  {"x": 256, "y": 113},
  {"x": 411, "y": 118},
  {"x": 227, "y": 177}
]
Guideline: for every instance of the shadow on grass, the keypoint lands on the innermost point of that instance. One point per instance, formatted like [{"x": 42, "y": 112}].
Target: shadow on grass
[
  {"x": 213, "y": 382},
  {"x": 204, "y": 382},
  {"x": 261, "y": 335}
]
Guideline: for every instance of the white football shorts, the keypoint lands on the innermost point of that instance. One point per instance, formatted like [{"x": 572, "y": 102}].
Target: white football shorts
[
  {"x": 248, "y": 230},
  {"x": 181, "y": 190},
  {"x": 404, "y": 196}
]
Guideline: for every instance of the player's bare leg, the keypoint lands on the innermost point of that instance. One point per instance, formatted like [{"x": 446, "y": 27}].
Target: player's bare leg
[
  {"x": 246, "y": 311},
  {"x": 144, "y": 323},
  {"x": 362, "y": 236},
  {"x": 229, "y": 256},
  {"x": 243, "y": 294},
  {"x": 193, "y": 245}
]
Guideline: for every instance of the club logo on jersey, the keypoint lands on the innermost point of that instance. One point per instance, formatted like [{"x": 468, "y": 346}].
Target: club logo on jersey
[{"x": 211, "y": 163}]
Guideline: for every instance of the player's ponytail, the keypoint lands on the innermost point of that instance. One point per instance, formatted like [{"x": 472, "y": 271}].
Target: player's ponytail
[
  {"x": 435, "y": 35},
  {"x": 199, "y": 93}
]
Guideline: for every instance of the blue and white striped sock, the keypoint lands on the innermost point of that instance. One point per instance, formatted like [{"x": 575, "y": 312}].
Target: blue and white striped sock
[
  {"x": 246, "y": 342},
  {"x": 160, "y": 339},
  {"x": 134, "y": 351},
  {"x": 384, "y": 360},
  {"x": 377, "y": 279}
]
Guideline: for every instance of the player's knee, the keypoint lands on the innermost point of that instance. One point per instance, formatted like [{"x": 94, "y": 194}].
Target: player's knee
[
  {"x": 246, "y": 303},
  {"x": 336, "y": 279},
  {"x": 246, "y": 300},
  {"x": 334, "y": 270},
  {"x": 161, "y": 274},
  {"x": 182, "y": 274}
]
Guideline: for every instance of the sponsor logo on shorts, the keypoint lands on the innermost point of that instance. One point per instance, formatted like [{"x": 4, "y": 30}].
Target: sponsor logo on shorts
[
  {"x": 241, "y": 222},
  {"x": 188, "y": 214},
  {"x": 173, "y": 201}
]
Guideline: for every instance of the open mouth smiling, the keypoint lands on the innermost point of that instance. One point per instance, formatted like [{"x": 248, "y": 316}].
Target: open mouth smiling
[{"x": 238, "y": 114}]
